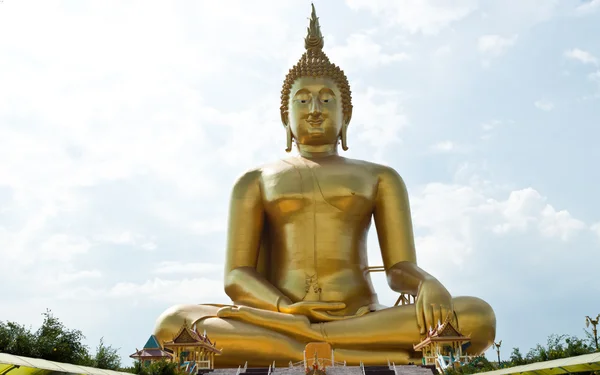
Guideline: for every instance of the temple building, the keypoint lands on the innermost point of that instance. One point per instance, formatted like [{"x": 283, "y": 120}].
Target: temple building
[
  {"x": 151, "y": 352},
  {"x": 192, "y": 350},
  {"x": 189, "y": 349},
  {"x": 444, "y": 346}
]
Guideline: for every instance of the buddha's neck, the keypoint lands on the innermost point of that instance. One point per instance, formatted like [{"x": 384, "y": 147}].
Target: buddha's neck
[{"x": 320, "y": 151}]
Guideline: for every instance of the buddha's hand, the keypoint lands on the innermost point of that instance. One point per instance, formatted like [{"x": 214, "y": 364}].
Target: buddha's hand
[
  {"x": 433, "y": 304},
  {"x": 313, "y": 310}
]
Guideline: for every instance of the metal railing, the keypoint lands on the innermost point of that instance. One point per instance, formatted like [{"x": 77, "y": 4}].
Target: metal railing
[{"x": 404, "y": 298}]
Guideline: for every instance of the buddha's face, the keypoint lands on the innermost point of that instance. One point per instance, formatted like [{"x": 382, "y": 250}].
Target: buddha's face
[{"x": 315, "y": 111}]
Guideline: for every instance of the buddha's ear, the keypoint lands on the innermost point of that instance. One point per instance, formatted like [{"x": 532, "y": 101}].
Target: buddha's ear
[
  {"x": 347, "y": 116},
  {"x": 284, "y": 118},
  {"x": 344, "y": 136}
]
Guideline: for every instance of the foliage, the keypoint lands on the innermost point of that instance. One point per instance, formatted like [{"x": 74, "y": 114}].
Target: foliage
[
  {"x": 107, "y": 357},
  {"x": 557, "y": 346},
  {"x": 16, "y": 339},
  {"x": 54, "y": 342},
  {"x": 157, "y": 368},
  {"x": 478, "y": 364}
]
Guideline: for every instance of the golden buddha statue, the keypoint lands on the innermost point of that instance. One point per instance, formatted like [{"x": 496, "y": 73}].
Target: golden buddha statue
[{"x": 296, "y": 265}]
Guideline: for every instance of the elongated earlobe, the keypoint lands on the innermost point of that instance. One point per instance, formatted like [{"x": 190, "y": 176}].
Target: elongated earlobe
[
  {"x": 288, "y": 138},
  {"x": 344, "y": 137}
]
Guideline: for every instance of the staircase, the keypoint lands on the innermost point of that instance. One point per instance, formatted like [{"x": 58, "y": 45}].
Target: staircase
[
  {"x": 222, "y": 371},
  {"x": 298, "y": 370},
  {"x": 413, "y": 370},
  {"x": 378, "y": 370},
  {"x": 257, "y": 371},
  {"x": 345, "y": 370}
]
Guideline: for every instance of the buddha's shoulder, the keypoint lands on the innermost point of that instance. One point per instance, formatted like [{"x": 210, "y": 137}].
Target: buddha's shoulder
[
  {"x": 255, "y": 175},
  {"x": 378, "y": 170}
]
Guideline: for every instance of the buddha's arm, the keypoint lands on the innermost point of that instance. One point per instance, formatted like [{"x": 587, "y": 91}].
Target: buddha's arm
[
  {"x": 395, "y": 233},
  {"x": 243, "y": 284}
]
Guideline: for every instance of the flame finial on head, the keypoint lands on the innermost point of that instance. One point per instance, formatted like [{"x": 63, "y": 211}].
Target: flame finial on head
[{"x": 314, "y": 38}]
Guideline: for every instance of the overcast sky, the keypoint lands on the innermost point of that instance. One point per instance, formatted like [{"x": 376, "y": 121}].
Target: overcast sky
[{"x": 123, "y": 125}]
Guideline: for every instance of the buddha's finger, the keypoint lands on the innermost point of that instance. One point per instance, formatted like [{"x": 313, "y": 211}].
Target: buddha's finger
[
  {"x": 420, "y": 320},
  {"x": 328, "y": 306},
  {"x": 429, "y": 316},
  {"x": 437, "y": 314},
  {"x": 227, "y": 311},
  {"x": 445, "y": 312},
  {"x": 326, "y": 317}
]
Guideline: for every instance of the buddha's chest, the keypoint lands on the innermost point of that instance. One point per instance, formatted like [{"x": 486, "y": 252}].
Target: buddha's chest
[{"x": 338, "y": 189}]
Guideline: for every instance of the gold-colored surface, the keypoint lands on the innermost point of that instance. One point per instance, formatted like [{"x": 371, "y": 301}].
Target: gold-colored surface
[
  {"x": 296, "y": 265},
  {"x": 318, "y": 353}
]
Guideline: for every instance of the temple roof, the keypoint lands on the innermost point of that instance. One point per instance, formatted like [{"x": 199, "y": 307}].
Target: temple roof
[
  {"x": 187, "y": 337},
  {"x": 151, "y": 354},
  {"x": 152, "y": 343},
  {"x": 443, "y": 333}
]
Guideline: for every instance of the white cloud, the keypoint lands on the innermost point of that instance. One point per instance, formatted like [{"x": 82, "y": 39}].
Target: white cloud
[
  {"x": 544, "y": 105},
  {"x": 377, "y": 120},
  {"x": 79, "y": 275},
  {"x": 447, "y": 146},
  {"x": 182, "y": 268},
  {"x": 489, "y": 128},
  {"x": 454, "y": 223},
  {"x": 171, "y": 292},
  {"x": 127, "y": 238},
  {"x": 442, "y": 51},
  {"x": 424, "y": 16},
  {"x": 582, "y": 56},
  {"x": 63, "y": 247},
  {"x": 495, "y": 45},
  {"x": 588, "y": 7},
  {"x": 527, "y": 208},
  {"x": 443, "y": 146},
  {"x": 361, "y": 51},
  {"x": 596, "y": 229}
]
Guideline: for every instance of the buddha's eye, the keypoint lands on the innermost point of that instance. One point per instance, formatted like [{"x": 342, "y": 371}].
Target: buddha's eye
[{"x": 326, "y": 99}]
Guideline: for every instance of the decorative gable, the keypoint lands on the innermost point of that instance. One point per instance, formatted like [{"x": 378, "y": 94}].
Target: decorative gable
[
  {"x": 185, "y": 337},
  {"x": 448, "y": 331}
]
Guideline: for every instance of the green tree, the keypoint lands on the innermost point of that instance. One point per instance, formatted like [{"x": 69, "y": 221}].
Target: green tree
[
  {"x": 107, "y": 357},
  {"x": 478, "y": 364},
  {"x": 17, "y": 339},
  {"x": 55, "y": 342},
  {"x": 516, "y": 358},
  {"x": 557, "y": 346},
  {"x": 157, "y": 368}
]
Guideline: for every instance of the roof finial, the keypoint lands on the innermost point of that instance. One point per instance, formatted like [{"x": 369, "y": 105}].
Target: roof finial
[{"x": 314, "y": 38}]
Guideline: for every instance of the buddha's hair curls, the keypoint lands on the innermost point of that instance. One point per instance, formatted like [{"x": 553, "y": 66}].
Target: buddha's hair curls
[{"x": 314, "y": 63}]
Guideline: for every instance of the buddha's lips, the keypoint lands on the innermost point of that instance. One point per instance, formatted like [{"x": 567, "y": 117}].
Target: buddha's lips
[{"x": 315, "y": 123}]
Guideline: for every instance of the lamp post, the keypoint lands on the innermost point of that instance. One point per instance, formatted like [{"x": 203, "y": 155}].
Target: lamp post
[
  {"x": 497, "y": 346},
  {"x": 594, "y": 323}
]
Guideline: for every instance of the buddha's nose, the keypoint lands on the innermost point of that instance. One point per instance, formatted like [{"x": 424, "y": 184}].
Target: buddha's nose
[{"x": 315, "y": 106}]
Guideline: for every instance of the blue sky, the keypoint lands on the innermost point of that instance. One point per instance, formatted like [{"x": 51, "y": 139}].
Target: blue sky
[{"x": 124, "y": 124}]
